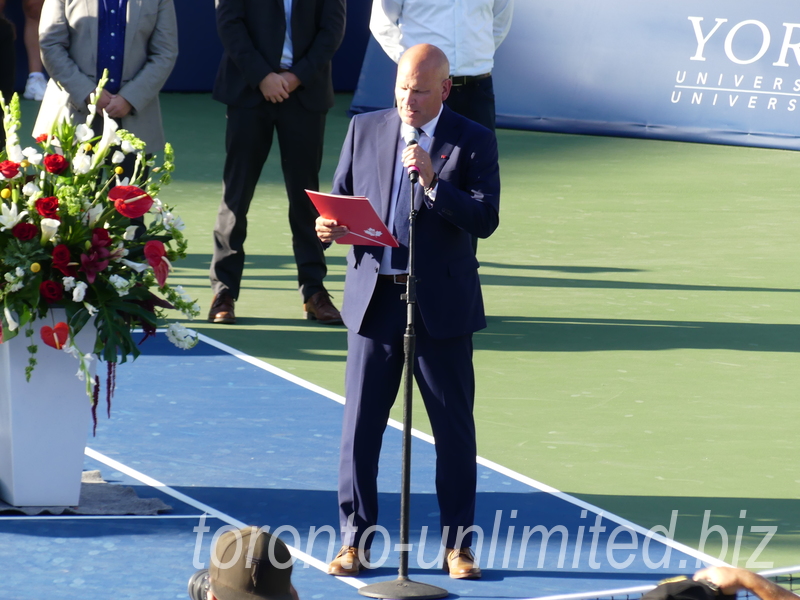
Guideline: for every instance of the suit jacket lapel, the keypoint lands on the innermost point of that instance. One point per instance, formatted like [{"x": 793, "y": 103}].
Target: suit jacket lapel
[
  {"x": 92, "y": 12},
  {"x": 441, "y": 149},
  {"x": 389, "y": 129},
  {"x": 134, "y": 9}
]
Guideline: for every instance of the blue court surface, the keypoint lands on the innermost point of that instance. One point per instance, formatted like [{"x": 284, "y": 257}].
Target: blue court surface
[{"x": 228, "y": 440}]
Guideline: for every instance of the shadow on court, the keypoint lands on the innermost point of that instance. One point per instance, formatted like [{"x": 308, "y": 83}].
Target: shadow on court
[{"x": 532, "y": 334}]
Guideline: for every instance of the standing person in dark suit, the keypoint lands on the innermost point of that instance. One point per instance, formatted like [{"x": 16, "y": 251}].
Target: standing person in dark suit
[
  {"x": 458, "y": 171},
  {"x": 275, "y": 74}
]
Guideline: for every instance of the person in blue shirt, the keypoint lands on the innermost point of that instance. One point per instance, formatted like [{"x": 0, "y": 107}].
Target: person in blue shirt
[{"x": 81, "y": 38}]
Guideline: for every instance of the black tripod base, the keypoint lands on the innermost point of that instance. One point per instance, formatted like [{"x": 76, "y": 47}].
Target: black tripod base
[{"x": 402, "y": 588}]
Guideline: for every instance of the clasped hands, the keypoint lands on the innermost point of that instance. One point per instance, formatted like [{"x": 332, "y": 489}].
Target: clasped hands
[
  {"x": 276, "y": 87},
  {"x": 115, "y": 105}
]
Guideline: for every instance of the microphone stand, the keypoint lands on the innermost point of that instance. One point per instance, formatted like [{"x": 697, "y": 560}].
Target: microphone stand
[{"x": 403, "y": 587}]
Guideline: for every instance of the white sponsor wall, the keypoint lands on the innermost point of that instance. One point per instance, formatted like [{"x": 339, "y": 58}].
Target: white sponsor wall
[{"x": 719, "y": 71}]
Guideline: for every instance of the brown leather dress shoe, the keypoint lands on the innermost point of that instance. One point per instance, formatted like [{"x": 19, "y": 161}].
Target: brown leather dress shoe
[
  {"x": 320, "y": 308},
  {"x": 347, "y": 563},
  {"x": 460, "y": 563},
  {"x": 222, "y": 310}
]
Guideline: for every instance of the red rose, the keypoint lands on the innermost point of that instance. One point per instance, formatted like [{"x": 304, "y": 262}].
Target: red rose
[
  {"x": 61, "y": 259},
  {"x": 41, "y": 139},
  {"x": 9, "y": 169},
  {"x": 47, "y": 207},
  {"x": 55, "y": 163},
  {"x": 51, "y": 291},
  {"x": 130, "y": 201},
  {"x": 100, "y": 238},
  {"x": 25, "y": 231}
]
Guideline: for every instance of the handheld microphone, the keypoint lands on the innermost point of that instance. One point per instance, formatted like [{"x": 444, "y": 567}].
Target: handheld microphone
[{"x": 411, "y": 138}]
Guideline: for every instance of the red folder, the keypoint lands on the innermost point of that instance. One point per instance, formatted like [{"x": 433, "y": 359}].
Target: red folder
[{"x": 357, "y": 214}]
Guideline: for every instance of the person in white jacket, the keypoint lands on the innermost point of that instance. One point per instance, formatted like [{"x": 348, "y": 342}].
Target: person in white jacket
[{"x": 468, "y": 31}]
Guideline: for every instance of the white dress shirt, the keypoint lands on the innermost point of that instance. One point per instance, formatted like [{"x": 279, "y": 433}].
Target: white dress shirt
[
  {"x": 467, "y": 31},
  {"x": 399, "y": 172}
]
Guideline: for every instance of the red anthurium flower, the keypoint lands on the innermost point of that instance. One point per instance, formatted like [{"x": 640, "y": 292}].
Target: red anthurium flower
[
  {"x": 61, "y": 259},
  {"x": 55, "y": 337},
  {"x": 130, "y": 201},
  {"x": 55, "y": 163},
  {"x": 51, "y": 291},
  {"x": 25, "y": 231},
  {"x": 9, "y": 169},
  {"x": 48, "y": 207},
  {"x": 154, "y": 250},
  {"x": 156, "y": 256}
]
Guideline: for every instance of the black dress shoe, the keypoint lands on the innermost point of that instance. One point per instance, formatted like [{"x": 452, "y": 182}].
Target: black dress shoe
[{"x": 222, "y": 310}]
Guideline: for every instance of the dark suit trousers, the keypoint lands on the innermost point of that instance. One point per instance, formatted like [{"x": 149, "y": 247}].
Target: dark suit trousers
[
  {"x": 247, "y": 142},
  {"x": 474, "y": 101},
  {"x": 443, "y": 371}
]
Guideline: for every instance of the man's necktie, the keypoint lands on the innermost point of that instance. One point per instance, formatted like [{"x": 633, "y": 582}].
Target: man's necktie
[{"x": 402, "y": 210}]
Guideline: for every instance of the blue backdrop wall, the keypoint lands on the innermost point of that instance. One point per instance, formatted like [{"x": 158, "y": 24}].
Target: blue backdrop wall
[
  {"x": 200, "y": 48},
  {"x": 720, "y": 71}
]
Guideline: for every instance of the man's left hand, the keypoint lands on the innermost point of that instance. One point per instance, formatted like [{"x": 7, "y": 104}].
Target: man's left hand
[
  {"x": 416, "y": 156},
  {"x": 118, "y": 107},
  {"x": 291, "y": 79}
]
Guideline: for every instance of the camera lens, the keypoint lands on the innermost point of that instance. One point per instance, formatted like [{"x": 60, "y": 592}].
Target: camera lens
[{"x": 199, "y": 585}]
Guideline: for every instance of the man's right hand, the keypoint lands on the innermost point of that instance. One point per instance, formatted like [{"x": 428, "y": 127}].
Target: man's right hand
[
  {"x": 329, "y": 230},
  {"x": 102, "y": 102},
  {"x": 274, "y": 88}
]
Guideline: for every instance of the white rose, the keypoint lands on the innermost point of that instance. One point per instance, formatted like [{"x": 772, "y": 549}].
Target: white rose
[{"x": 79, "y": 292}]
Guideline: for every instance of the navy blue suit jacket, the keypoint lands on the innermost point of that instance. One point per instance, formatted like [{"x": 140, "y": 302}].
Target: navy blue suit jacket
[{"x": 464, "y": 155}]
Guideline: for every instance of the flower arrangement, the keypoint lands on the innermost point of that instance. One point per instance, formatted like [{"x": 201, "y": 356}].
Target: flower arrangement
[{"x": 67, "y": 240}]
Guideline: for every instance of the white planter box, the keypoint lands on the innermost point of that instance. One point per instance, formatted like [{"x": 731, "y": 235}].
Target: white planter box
[{"x": 43, "y": 423}]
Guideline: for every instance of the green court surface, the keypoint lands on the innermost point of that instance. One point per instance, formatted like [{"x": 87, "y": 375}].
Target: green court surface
[{"x": 643, "y": 348}]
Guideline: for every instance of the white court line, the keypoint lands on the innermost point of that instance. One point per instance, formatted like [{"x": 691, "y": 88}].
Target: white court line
[
  {"x": 646, "y": 588},
  {"x": 210, "y": 511},
  {"x": 481, "y": 461},
  {"x": 256, "y": 362},
  {"x": 420, "y": 435},
  {"x": 781, "y": 571}
]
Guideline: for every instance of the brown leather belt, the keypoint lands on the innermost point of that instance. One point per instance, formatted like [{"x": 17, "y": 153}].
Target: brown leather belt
[
  {"x": 467, "y": 79},
  {"x": 399, "y": 279}
]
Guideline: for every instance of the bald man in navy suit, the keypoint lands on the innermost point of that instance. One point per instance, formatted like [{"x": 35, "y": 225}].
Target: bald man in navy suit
[{"x": 458, "y": 196}]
